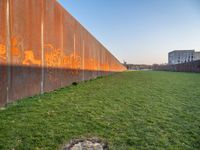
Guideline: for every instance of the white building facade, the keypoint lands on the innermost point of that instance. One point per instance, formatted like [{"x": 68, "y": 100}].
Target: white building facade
[
  {"x": 197, "y": 56},
  {"x": 183, "y": 56}
]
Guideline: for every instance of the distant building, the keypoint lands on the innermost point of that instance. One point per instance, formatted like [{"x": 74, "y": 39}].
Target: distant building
[
  {"x": 183, "y": 56},
  {"x": 197, "y": 56}
]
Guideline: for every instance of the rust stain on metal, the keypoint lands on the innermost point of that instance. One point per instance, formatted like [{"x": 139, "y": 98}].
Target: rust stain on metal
[{"x": 2, "y": 53}]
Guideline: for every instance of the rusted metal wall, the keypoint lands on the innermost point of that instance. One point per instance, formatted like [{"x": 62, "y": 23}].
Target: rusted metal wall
[
  {"x": 3, "y": 52},
  {"x": 185, "y": 67},
  {"x": 25, "y": 51},
  {"x": 42, "y": 48}
]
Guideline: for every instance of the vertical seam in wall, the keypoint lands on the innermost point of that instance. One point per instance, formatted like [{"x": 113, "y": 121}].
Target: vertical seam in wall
[
  {"x": 74, "y": 69},
  {"x": 8, "y": 45},
  {"x": 83, "y": 60},
  {"x": 62, "y": 33},
  {"x": 62, "y": 45},
  {"x": 42, "y": 48},
  {"x": 98, "y": 74},
  {"x": 74, "y": 45}
]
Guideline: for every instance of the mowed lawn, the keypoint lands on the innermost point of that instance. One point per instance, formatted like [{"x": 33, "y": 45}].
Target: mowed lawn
[{"x": 130, "y": 110}]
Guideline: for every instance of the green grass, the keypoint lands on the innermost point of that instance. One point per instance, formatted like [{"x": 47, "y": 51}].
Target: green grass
[{"x": 131, "y": 110}]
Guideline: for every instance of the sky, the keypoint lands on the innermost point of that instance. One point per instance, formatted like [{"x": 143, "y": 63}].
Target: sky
[{"x": 140, "y": 31}]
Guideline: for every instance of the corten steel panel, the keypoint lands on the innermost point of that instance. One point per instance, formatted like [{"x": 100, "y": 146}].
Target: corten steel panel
[
  {"x": 88, "y": 56},
  {"x": 102, "y": 65},
  {"x": 77, "y": 56},
  {"x": 98, "y": 49},
  {"x": 53, "y": 45},
  {"x": 85, "y": 53},
  {"x": 107, "y": 67},
  {"x": 77, "y": 53},
  {"x": 95, "y": 58},
  {"x": 101, "y": 60},
  {"x": 73, "y": 48},
  {"x": 105, "y": 62},
  {"x": 3, "y": 47},
  {"x": 25, "y": 23},
  {"x": 68, "y": 48},
  {"x": 82, "y": 49},
  {"x": 84, "y": 35},
  {"x": 108, "y": 61}
]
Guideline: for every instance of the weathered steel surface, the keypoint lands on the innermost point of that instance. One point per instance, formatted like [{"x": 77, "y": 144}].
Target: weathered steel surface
[
  {"x": 25, "y": 29},
  {"x": 42, "y": 48},
  {"x": 3, "y": 69},
  {"x": 53, "y": 45}
]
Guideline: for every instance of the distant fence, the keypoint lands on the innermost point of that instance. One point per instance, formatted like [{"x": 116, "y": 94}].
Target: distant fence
[
  {"x": 185, "y": 67},
  {"x": 42, "y": 48},
  {"x": 138, "y": 67}
]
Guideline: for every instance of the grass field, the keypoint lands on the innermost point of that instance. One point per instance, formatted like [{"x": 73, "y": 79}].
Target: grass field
[{"x": 131, "y": 110}]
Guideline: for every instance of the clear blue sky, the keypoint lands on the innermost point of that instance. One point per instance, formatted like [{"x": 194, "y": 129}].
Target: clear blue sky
[{"x": 140, "y": 31}]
